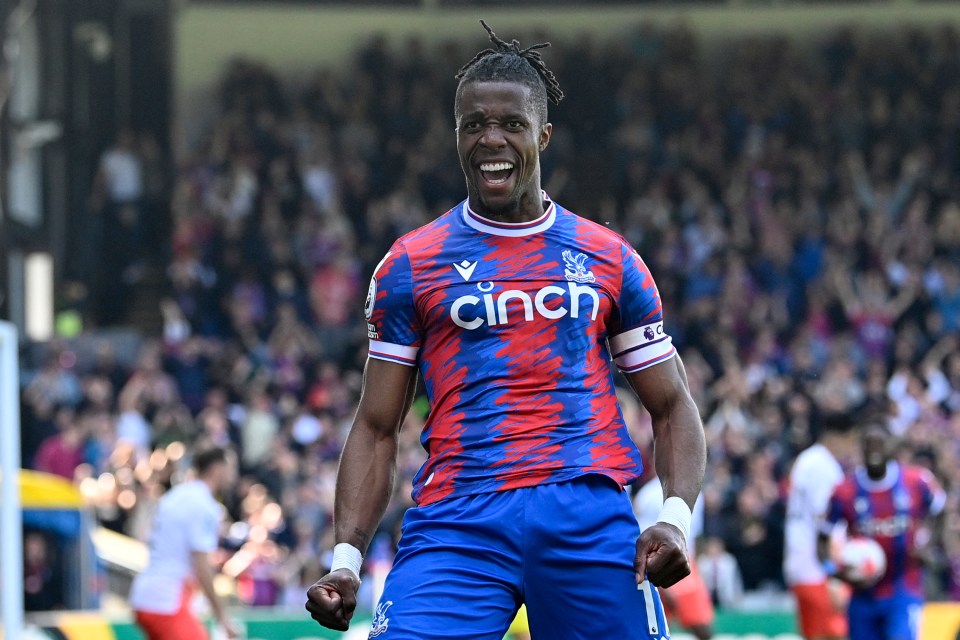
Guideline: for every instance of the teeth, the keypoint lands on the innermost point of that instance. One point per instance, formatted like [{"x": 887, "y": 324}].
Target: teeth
[{"x": 496, "y": 166}]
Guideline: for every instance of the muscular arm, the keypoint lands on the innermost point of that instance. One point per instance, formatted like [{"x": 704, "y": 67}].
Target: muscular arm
[
  {"x": 369, "y": 460},
  {"x": 680, "y": 456},
  {"x": 680, "y": 453},
  {"x": 364, "y": 482}
]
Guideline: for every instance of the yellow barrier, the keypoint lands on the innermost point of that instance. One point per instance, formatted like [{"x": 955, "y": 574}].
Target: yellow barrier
[
  {"x": 85, "y": 626},
  {"x": 45, "y": 491},
  {"x": 941, "y": 621}
]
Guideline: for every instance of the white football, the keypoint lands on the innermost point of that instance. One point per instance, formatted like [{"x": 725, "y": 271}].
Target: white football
[{"x": 863, "y": 559}]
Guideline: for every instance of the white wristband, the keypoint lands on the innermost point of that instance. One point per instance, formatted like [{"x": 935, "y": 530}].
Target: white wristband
[
  {"x": 346, "y": 556},
  {"x": 676, "y": 512}
]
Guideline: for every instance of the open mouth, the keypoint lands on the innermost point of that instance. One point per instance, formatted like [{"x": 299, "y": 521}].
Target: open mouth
[{"x": 496, "y": 172}]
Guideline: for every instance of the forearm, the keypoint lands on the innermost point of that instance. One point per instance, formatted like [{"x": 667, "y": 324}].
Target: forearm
[
  {"x": 680, "y": 455},
  {"x": 679, "y": 445},
  {"x": 364, "y": 483},
  {"x": 369, "y": 461},
  {"x": 680, "y": 448},
  {"x": 203, "y": 572}
]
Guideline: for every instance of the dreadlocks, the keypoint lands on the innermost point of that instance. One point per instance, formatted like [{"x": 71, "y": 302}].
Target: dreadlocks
[{"x": 508, "y": 62}]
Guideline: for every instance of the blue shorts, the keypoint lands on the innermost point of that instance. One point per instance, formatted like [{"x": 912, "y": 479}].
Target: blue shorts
[
  {"x": 465, "y": 565},
  {"x": 893, "y": 618}
]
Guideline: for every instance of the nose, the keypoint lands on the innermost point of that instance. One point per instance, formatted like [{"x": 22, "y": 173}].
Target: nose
[{"x": 493, "y": 138}]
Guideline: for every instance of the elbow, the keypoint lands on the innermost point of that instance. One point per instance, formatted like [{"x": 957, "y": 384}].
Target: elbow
[{"x": 376, "y": 428}]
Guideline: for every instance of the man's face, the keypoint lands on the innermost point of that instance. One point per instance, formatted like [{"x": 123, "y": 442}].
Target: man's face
[
  {"x": 226, "y": 473},
  {"x": 499, "y": 139},
  {"x": 876, "y": 449},
  {"x": 847, "y": 446}
]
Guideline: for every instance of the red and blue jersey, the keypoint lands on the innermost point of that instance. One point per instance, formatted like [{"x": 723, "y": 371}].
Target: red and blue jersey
[
  {"x": 891, "y": 511},
  {"x": 512, "y": 327}
]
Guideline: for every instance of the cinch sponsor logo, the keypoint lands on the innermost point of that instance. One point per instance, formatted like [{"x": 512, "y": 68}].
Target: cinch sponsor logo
[
  {"x": 886, "y": 527},
  {"x": 472, "y": 312}
]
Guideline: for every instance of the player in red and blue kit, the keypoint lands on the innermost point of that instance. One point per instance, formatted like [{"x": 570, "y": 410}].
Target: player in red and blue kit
[
  {"x": 510, "y": 308},
  {"x": 891, "y": 503}
]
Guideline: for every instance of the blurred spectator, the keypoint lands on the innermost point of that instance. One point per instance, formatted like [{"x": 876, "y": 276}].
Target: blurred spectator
[
  {"x": 117, "y": 196},
  {"x": 55, "y": 384},
  {"x": 755, "y": 538},
  {"x": 62, "y": 453},
  {"x": 42, "y": 578},
  {"x": 259, "y": 429},
  {"x": 257, "y": 567},
  {"x": 720, "y": 573}
]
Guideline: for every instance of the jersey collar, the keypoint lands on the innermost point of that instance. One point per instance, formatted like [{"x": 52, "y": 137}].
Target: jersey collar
[
  {"x": 511, "y": 229},
  {"x": 889, "y": 478}
]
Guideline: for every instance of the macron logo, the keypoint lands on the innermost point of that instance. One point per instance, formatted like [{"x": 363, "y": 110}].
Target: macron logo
[{"x": 465, "y": 269}]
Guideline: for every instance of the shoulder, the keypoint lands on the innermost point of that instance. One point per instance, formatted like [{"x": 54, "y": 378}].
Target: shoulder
[
  {"x": 178, "y": 492},
  {"x": 426, "y": 238},
  {"x": 819, "y": 458},
  {"x": 812, "y": 469},
  {"x": 196, "y": 493},
  {"x": 808, "y": 455},
  {"x": 615, "y": 256},
  {"x": 911, "y": 473},
  {"x": 914, "y": 476},
  {"x": 806, "y": 460},
  {"x": 593, "y": 233},
  {"x": 847, "y": 488},
  {"x": 208, "y": 505},
  {"x": 182, "y": 498}
]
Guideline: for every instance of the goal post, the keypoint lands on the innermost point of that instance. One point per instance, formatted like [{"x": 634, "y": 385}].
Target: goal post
[{"x": 11, "y": 518}]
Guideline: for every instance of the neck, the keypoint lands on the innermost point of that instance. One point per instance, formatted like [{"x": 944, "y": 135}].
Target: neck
[
  {"x": 210, "y": 482},
  {"x": 831, "y": 444},
  {"x": 877, "y": 473},
  {"x": 529, "y": 207}
]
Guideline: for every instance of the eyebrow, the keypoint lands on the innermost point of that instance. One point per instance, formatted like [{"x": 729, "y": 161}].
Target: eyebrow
[{"x": 482, "y": 115}]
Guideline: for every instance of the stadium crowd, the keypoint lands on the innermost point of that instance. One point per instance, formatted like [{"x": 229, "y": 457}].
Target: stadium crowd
[{"x": 799, "y": 207}]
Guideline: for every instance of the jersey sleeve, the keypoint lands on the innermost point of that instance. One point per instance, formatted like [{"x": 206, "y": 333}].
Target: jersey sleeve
[
  {"x": 204, "y": 530},
  {"x": 836, "y": 512},
  {"x": 820, "y": 491},
  {"x": 640, "y": 341},
  {"x": 934, "y": 497},
  {"x": 392, "y": 324}
]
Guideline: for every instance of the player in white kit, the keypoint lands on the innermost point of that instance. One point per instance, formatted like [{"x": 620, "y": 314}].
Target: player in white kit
[
  {"x": 185, "y": 530},
  {"x": 815, "y": 474}
]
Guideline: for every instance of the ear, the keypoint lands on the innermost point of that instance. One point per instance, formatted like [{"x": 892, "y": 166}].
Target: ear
[{"x": 545, "y": 134}]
